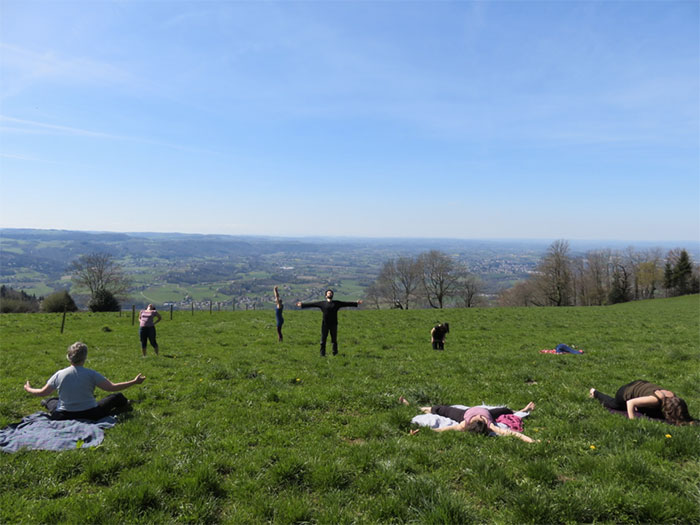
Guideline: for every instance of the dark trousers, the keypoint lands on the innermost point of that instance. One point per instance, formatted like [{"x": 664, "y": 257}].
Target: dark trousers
[
  {"x": 610, "y": 402},
  {"x": 279, "y": 332},
  {"x": 333, "y": 329},
  {"x": 457, "y": 414},
  {"x": 438, "y": 345},
  {"x": 148, "y": 333},
  {"x": 108, "y": 405}
]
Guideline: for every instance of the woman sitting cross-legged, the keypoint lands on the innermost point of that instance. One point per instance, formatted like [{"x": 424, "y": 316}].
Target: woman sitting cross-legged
[
  {"x": 75, "y": 386},
  {"x": 480, "y": 420},
  {"x": 648, "y": 399}
]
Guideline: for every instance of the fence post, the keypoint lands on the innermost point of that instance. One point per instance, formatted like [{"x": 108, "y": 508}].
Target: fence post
[
  {"x": 209, "y": 307},
  {"x": 171, "y": 312},
  {"x": 63, "y": 322},
  {"x": 192, "y": 303},
  {"x": 133, "y": 314}
]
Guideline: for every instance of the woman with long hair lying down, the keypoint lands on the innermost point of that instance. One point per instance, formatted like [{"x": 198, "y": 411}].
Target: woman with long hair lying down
[
  {"x": 648, "y": 399},
  {"x": 479, "y": 420}
]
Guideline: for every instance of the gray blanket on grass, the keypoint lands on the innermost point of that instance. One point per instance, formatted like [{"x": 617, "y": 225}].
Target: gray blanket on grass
[{"x": 38, "y": 432}]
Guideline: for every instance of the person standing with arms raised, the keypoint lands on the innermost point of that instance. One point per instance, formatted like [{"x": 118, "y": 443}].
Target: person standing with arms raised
[{"x": 329, "y": 308}]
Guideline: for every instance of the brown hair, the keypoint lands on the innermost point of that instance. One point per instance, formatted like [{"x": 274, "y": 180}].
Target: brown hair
[
  {"x": 675, "y": 410},
  {"x": 478, "y": 427}
]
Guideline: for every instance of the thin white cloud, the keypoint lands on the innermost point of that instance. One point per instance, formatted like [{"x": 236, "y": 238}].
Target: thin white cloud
[{"x": 22, "y": 68}]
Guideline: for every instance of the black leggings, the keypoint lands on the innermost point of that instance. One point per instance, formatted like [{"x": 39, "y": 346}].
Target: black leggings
[
  {"x": 148, "y": 333},
  {"x": 457, "y": 414},
  {"x": 108, "y": 405}
]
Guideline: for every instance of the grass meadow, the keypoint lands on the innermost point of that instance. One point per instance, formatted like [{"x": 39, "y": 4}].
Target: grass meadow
[{"x": 232, "y": 427}]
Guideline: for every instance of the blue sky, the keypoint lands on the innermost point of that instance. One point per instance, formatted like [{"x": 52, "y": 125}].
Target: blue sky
[{"x": 504, "y": 119}]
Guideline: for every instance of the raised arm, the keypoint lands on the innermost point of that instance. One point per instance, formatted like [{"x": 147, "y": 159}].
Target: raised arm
[
  {"x": 646, "y": 401},
  {"x": 507, "y": 432},
  {"x": 40, "y": 392},
  {"x": 116, "y": 387},
  {"x": 277, "y": 296}
]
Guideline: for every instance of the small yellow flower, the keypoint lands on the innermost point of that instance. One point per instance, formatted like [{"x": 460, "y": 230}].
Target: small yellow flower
[
  {"x": 668, "y": 436},
  {"x": 300, "y": 380},
  {"x": 592, "y": 447}
]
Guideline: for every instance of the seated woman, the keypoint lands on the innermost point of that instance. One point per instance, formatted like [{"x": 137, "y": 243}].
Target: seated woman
[
  {"x": 648, "y": 399},
  {"x": 75, "y": 386},
  {"x": 480, "y": 420}
]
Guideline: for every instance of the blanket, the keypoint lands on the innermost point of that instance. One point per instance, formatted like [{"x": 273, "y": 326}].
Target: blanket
[
  {"x": 435, "y": 421},
  {"x": 38, "y": 432}
]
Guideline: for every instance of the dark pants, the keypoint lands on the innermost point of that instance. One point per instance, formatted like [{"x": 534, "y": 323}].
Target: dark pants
[
  {"x": 148, "y": 333},
  {"x": 457, "y": 414},
  {"x": 438, "y": 345},
  {"x": 333, "y": 329},
  {"x": 279, "y": 332},
  {"x": 108, "y": 405}
]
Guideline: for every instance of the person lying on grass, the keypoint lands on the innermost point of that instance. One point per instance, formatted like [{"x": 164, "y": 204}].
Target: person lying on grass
[
  {"x": 648, "y": 399},
  {"x": 479, "y": 420},
  {"x": 75, "y": 386}
]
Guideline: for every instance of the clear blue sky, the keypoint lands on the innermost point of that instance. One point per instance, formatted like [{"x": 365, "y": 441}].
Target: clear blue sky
[{"x": 503, "y": 119}]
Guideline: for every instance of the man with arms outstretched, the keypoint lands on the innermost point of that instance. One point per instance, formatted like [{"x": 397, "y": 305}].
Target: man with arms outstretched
[{"x": 329, "y": 308}]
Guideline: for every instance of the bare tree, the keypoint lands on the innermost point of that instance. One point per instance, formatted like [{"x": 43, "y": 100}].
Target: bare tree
[
  {"x": 554, "y": 275},
  {"x": 99, "y": 271},
  {"x": 398, "y": 281},
  {"x": 440, "y": 277},
  {"x": 468, "y": 289}
]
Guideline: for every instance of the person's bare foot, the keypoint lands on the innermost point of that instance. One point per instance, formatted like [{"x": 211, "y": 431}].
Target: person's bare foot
[
  {"x": 414, "y": 431},
  {"x": 403, "y": 401},
  {"x": 529, "y": 407},
  {"x": 591, "y": 392},
  {"x": 425, "y": 410}
]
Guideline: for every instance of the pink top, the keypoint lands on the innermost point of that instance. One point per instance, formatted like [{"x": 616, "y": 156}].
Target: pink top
[
  {"x": 477, "y": 411},
  {"x": 146, "y": 317}
]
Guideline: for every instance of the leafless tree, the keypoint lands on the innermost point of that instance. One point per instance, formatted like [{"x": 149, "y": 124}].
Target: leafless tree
[
  {"x": 99, "y": 271},
  {"x": 468, "y": 289},
  {"x": 398, "y": 281},
  {"x": 440, "y": 277},
  {"x": 554, "y": 275}
]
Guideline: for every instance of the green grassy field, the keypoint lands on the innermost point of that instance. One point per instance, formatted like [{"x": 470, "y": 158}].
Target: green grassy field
[{"x": 232, "y": 427}]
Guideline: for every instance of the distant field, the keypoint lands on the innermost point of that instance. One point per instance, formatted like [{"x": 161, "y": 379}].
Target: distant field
[{"x": 232, "y": 427}]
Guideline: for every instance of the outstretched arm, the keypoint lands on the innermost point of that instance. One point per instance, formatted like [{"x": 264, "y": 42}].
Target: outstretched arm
[
  {"x": 343, "y": 304},
  {"x": 317, "y": 304},
  {"x": 116, "y": 387},
  {"x": 40, "y": 392},
  {"x": 458, "y": 427},
  {"x": 507, "y": 432}
]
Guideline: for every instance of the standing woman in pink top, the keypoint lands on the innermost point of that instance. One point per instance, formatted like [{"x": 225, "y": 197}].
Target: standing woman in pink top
[{"x": 148, "y": 319}]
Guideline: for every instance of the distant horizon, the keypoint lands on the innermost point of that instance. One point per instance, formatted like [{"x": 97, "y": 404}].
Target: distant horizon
[{"x": 373, "y": 238}]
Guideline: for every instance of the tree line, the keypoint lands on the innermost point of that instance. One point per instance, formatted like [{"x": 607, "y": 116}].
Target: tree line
[
  {"x": 431, "y": 279},
  {"x": 601, "y": 277}
]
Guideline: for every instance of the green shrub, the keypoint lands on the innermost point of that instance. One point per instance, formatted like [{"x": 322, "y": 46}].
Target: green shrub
[
  {"x": 104, "y": 301},
  {"x": 59, "y": 302}
]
